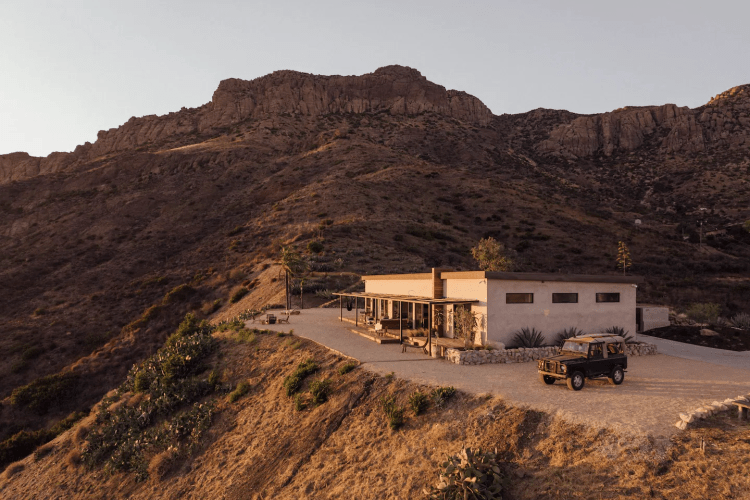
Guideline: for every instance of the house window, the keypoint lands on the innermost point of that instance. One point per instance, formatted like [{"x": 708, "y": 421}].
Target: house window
[
  {"x": 519, "y": 298},
  {"x": 608, "y": 297},
  {"x": 564, "y": 298}
]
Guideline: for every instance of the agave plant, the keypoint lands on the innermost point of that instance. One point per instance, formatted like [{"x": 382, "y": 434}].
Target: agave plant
[
  {"x": 566, "y": 334},
  {"x": 526, "y": 337},
  {"x": 469, "y": 475},
  {"x": 741, "y": 321},
  {"x": 618, "y": 330}
]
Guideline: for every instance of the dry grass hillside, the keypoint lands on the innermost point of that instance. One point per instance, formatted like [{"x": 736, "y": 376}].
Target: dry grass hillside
[
  {"x": 103, "y": 250},
  {"x": 259, "y": 446}
]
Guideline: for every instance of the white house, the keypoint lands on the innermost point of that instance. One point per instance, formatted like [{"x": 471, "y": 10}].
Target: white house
[{"x": 504, "y": 302}]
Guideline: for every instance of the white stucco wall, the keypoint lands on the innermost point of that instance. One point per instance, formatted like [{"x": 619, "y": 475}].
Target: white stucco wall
[
  {"x": 505, "y": 319},
  {"x": 654, "y": 317},
  {"x": 420, "y": 287}
]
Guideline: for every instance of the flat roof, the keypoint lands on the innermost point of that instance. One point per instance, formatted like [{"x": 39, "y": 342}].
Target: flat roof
[
  {"x": 494, "y": 275},
  {"x": 406, "y": 298}
]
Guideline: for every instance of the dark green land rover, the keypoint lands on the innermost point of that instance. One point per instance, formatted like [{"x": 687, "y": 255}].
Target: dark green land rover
[{"x": 588, "y": 356}]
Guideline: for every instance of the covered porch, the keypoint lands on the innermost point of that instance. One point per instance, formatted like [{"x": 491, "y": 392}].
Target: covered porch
[{"x": 412, "y": 320}]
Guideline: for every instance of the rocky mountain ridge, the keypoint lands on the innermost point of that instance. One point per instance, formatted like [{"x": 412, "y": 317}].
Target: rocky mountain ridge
[{"x": 396, "y": 90}]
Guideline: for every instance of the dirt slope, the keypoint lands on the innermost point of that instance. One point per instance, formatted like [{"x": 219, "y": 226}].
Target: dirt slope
[{"x": 260, "y": 447}]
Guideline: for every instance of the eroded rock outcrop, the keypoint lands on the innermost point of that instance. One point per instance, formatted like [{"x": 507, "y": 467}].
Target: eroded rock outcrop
[
  {"x": 724, "y": 121},
  {"x": 395, "y": 89}
]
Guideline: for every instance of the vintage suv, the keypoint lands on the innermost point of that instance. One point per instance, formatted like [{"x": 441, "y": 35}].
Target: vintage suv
[{"x": 587, "y": 356}]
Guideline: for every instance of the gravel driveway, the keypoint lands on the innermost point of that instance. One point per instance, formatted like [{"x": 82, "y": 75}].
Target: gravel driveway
[{"x": 656, "y": 388}]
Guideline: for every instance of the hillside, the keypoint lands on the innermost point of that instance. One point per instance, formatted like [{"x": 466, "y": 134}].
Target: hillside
[
  {"x": 260, "y": 446},
  {"x": 104, "y": 249}
]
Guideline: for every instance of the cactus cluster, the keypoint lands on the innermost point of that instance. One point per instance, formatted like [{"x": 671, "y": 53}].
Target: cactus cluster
[{"x": 471, "y": 474}]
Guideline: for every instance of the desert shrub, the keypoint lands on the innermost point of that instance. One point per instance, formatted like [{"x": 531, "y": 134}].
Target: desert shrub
[
  {"x": 703, "y": 313},
  {"x": 315, "y": 246},
  {"x": 214, "y": 378},
  {"x": 178, "y": 293},
  {"x": 441, "y": 395},
  {"x": 247, "y": 336},
  {"x": 24, "y": 442},
  {"x": 526, "y": 337},
  {"x": 43, "y": 451},
  {"x": 242, "y": 389},
  {"x": 299, "y": 402},
  {"x": 566, "y": 334},
  {"x": 293, "y": 382},
  {"x": 32, "y": 352},
  {"x": 236, "y": 296},
  {"x": 418, "y": 402},
  {"x": 320, "y": 390},
  {"x": 142, "y": 381},
  {"x": 393, "y": 412},
  {"x": 470, "y": 474},
  {"x": 618, "y": 330},
  {"x": 347, "y": 367},
  {"x": 43, "y": 393},
  {"x": 742, "y": 321}
]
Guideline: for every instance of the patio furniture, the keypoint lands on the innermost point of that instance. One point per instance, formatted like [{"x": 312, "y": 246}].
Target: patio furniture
[
  {"x": 416, "y": 345},
  {"x": 283, "y": 320},
  {"x": 270, "y": 319}
]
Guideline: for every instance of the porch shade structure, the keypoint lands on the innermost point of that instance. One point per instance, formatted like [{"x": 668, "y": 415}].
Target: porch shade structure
[{"x": 414, "y": 299}]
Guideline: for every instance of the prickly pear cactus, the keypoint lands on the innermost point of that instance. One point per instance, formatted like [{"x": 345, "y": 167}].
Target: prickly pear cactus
[{"x": 469, "y": 475}]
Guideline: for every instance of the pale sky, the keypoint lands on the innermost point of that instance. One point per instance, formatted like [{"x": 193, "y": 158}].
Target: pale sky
[{"x": 70, "y": 68}]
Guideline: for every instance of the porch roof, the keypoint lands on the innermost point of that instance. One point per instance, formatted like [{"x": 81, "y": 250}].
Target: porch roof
[{"x": 406, "y": 298}]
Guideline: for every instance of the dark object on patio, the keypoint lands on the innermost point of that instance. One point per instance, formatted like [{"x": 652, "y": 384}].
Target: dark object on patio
[{"x": 270, "y": 319}]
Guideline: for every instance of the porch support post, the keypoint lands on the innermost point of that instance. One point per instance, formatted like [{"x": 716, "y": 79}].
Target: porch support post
[
  {"x": 429, "y": 330},
  {"x": 356, "y": 311},
  {"x": 341, "y": 308},
  {"x": 400, "y": 325}
]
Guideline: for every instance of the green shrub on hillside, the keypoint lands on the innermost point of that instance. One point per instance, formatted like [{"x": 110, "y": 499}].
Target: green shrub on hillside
[
  {"x": 242, "y": 389},
  {"x": 347, "y": 367},
  {"x": 23, "y": 443},
  {"x": 236, "y": 296},
  {"x": 178, "y": 293},
  {"x": 418, "y": 402},
  {"x": 393, "y": 412},
  {"x": 44, "y": 393},
  {"x": 703, "y": 313},
  {"x": 320, "y": 390},
  {"x": 293, "y": 382}
]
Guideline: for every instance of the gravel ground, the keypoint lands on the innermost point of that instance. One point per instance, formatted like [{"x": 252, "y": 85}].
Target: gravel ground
[{"x": 656, "y": 388}]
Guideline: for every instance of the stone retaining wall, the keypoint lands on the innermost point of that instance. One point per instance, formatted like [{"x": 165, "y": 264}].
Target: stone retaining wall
[
  {"x": 523, "y": 354},
  {"x": 686, "y": 419}
]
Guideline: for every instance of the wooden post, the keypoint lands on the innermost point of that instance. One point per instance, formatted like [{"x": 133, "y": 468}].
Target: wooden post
[
  {"x": 341, "y": 308},
  {"x": 400, "y": 325},
  {"x": 429, "y": 331},
  {"x": 356, "y": 311}
]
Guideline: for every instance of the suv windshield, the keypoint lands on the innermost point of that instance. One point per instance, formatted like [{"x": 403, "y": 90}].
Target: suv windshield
[{"x": 576, "y": 347}]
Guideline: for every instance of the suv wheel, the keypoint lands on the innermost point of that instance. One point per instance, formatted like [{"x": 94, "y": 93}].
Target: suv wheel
[
  {"x": 576, "y": 381},
  {"x": 546, "y": 379},
  {"x": 617, "y": 376}
]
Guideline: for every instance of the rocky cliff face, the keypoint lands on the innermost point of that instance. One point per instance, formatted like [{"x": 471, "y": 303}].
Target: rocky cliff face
[
  {"x": 724, "y": 121},
  {"x": 397, "y": 90}
]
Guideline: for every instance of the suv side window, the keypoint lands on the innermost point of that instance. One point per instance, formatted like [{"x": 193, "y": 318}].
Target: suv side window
[
  {"x": 595, "y": 351},
  {"x": 614, "y": 348}
]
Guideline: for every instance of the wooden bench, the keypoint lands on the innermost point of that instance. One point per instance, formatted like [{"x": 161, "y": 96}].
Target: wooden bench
[
  {"x": 742, "y": 409},
  {"x": 284, "y": 320}
]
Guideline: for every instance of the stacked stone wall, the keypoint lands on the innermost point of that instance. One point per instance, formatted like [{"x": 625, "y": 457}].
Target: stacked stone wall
[{"x": 523, "y": 354}]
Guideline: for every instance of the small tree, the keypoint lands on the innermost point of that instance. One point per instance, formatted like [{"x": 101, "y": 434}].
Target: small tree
[
  {"x": 492, "y": 255},
  {"x": 464, "y": 323},
  {"x": 623, "y": 257},
  {"x": 292, "y": 264}
]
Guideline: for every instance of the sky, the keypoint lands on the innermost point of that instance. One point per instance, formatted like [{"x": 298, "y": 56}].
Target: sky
[{"x": 70, "y": 68}]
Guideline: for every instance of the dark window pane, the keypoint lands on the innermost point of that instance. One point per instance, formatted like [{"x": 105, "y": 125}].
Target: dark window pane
[
  {"x": 519, "y": 298},
  {"x": 608, "y": 297},
  {"x": 564, "y": 298}
]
